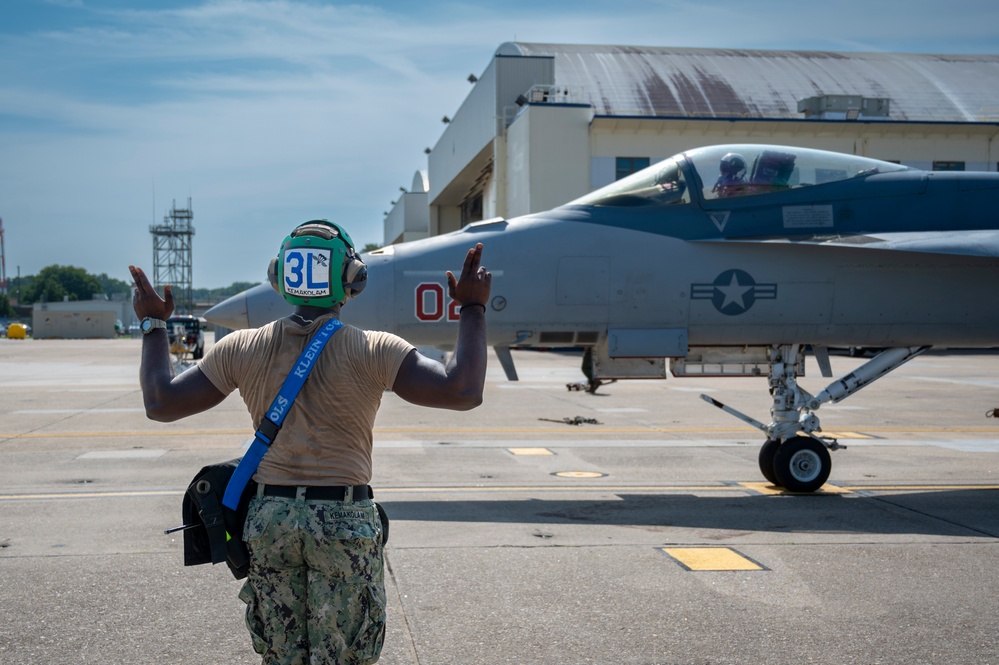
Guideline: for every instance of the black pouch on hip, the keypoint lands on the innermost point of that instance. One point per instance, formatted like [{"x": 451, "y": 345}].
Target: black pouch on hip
[{"x": 383, "y": 518}]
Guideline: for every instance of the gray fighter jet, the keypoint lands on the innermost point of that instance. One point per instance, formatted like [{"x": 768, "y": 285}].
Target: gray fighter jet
[{"x": 721, "y": 261}]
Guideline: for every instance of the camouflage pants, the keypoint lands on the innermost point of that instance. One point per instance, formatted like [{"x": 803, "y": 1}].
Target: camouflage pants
[{"x": 315, "y": 592}]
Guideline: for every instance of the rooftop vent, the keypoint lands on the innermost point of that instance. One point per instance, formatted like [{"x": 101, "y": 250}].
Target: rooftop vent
[{"x": 844, "y": 107}]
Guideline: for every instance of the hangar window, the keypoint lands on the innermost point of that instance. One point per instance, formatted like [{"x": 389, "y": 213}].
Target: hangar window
[
  {"x": 471, "y": 209},
  {"x": 660, "y": 184},
  {"x": 944, "y": 165},
  {"x": 625, "y": 166}
]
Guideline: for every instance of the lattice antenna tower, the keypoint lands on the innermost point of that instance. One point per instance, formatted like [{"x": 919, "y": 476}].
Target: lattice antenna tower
[
  {"x": 172, "y": 256},
  {"x": 3, "y": 262}
]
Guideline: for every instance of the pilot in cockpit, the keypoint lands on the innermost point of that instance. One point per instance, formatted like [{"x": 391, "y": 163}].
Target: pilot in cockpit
[{"x": 732, "y": 178}]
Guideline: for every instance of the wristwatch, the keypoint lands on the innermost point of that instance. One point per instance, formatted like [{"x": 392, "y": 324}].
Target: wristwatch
[{"x": 148, "y": 325}]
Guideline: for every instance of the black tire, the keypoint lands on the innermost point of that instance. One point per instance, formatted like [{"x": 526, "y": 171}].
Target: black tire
[
  {"x": 767, "y": 454},
  {"x": 802, "y": 464}
]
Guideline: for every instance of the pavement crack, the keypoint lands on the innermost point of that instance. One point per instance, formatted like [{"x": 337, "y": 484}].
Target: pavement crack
[{"x": 936, "y": 518}]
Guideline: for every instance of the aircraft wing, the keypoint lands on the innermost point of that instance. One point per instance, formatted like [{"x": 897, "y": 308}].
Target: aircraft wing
[{"x": 984, "y": 243}]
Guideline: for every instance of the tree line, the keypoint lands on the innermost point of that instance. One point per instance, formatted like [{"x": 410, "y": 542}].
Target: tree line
[{"x": 56, "y": 283}]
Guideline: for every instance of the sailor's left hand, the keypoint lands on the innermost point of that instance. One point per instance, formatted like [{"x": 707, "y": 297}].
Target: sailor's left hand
[
  {"x": 146, "y": 301},
  {"x": 474, "y": 283}
]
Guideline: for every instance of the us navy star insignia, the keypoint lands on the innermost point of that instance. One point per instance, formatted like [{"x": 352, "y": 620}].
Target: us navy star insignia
[{"x": 733, "y": 292}]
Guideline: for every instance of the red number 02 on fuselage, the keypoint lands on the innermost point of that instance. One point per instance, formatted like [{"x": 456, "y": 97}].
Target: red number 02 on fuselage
[{"x": 430, "y": 303}]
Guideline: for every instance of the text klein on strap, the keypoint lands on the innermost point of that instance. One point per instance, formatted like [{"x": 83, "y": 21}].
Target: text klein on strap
[{"x": 271, "y": 424}]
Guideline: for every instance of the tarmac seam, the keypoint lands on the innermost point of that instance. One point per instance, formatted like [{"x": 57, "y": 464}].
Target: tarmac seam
[
  {"x": 87, "y": 555},
  {"x": 858, "y": 491},
  {"x": 410, "y": 641},
  {"x": 922, "y": 513},
  {"x": 7, "y": 437},
  {"x": 712, "y": 543}
]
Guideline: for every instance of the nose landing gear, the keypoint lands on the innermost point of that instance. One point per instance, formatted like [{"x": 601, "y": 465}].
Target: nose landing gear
[
  {"x": 802, "y": 464},
  {"x": 794, "y": 456}
]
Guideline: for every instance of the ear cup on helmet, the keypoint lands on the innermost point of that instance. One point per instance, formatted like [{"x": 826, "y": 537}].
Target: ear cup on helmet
[
  {"x": 355, "y": 276},
  {"x": 272, "y": 274},
  {"x": 355, "y": 273}
]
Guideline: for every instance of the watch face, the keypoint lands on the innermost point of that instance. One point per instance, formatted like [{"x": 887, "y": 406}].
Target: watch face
[{"x": 145, "y": 325}]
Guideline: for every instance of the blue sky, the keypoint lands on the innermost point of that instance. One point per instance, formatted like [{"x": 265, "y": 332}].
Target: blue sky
[{"x": 271, "y": 112}]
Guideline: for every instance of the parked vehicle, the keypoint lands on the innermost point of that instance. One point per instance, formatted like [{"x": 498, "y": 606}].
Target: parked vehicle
[{"x": 187, "y": 335}]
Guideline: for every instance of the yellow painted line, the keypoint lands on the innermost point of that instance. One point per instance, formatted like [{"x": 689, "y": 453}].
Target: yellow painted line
[
  {"x": 378, "y": 431},
  {"x": 572, "y": 431},
  {"x": 579, "y": 474},
  {"x": 710, "y": 559},
  {"x": 562, "y": 488},
  {"x": 559, "y": 427},
  {"x": 767, "y": 488},
  {"x": 671, "y": 430},
  {"x": 762, "y": 488},
  {"x": 941, "y": 430},
  {"x": 380, "y": 491},
  {"x": 919, "y": 488},
  {"x": 846, "y": 435},
  {"x": 530, "y": 451}
]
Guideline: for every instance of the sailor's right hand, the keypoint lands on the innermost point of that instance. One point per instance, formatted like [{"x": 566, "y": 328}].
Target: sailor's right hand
[{"x": 146, "y": 301}]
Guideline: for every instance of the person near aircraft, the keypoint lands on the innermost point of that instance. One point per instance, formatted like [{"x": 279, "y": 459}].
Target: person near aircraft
[
  {"x": 315, "y": 590},
  {"x": 732, "y": 175}
]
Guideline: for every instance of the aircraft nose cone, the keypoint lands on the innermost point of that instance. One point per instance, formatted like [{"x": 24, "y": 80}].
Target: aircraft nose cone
[{"x": 230, "y": 313}]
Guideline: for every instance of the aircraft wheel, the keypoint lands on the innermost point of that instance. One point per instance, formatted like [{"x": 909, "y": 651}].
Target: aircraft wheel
[
  {"x": 802, "y": 464},
  {"x": 767, "y": 454}
]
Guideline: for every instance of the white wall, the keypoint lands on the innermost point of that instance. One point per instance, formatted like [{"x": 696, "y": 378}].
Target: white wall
[
  {"x": 66, "y": 323},
  {"x": 547, "y": 157}
]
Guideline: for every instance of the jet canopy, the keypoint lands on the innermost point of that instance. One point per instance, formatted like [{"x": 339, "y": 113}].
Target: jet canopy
[{"x": 734, "y": 170}]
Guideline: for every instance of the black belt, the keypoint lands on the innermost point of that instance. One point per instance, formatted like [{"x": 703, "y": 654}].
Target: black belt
[{"x": 321, "y": 493}]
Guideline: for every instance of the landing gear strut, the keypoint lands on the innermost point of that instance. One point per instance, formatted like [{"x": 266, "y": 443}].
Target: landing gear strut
[{"x": 795, "y": 456}]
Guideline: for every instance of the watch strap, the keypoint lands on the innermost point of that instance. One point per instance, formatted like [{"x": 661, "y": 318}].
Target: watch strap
[{"x": 149, "y": 324}]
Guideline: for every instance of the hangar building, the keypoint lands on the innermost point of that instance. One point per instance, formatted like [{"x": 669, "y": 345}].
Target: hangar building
[
  {"x": 547, "y": 123},
  {"x": 80, "y": 319}
]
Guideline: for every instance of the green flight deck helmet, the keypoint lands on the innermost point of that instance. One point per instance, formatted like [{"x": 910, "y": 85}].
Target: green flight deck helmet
[{"x": 317, "y": 266}]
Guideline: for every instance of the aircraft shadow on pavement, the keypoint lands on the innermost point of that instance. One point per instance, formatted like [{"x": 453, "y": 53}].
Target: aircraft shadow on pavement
[{"x": 968, "y": 513}]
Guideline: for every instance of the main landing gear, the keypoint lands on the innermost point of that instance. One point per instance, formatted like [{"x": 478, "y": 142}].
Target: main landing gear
[{"x": 794, "y": 455}]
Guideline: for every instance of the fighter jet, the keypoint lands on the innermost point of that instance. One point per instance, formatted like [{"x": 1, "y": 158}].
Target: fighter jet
[{"x": 720, "y": 261}]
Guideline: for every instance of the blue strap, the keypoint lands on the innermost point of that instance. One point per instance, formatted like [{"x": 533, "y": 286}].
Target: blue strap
[{"x": 268, "y": 429}]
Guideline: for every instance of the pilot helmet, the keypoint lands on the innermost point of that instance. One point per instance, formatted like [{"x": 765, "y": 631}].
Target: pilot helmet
[
  {"x": 732, "y": 165},
  {"x": 317, "y": 266}
]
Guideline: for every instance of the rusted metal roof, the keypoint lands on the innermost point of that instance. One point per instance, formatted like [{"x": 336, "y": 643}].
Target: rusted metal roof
[{"x": 734, "y": 83}]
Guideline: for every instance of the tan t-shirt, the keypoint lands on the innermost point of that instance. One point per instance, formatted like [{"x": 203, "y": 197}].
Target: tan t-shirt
[{"x": 326, "y": 437}]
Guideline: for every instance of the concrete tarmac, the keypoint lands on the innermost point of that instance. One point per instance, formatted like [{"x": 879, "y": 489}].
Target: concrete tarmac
[{"x": 645, "y": 537}]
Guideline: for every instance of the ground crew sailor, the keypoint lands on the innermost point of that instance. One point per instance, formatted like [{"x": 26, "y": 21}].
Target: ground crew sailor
[{"x": 315, "y": 591}]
